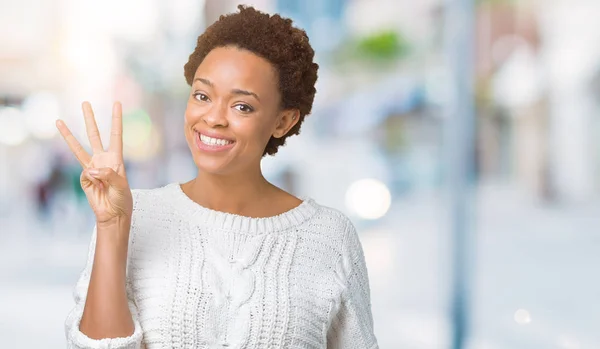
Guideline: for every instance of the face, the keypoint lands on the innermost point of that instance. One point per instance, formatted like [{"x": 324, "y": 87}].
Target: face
[{"x": 233, "y": 110}]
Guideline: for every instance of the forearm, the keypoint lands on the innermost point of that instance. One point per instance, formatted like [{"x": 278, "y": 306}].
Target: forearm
[{"x": 106, "y": 313}]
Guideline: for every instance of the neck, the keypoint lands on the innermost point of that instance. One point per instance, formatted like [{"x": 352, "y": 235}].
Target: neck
[{"x": 235, "y": 194}]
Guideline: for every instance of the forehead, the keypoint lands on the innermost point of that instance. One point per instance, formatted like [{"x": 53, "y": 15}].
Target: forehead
[{"x": 225, "y": 66}]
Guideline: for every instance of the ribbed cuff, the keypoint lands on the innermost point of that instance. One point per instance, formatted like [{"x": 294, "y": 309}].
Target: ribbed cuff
[{"x": 77, "y": 340}]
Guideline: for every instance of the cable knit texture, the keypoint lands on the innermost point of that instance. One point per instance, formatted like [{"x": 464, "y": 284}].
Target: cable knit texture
[{"x": 199, "y": 278}]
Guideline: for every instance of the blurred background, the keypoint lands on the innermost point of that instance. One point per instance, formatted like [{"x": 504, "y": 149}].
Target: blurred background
[{"x": 473, "y": 180}]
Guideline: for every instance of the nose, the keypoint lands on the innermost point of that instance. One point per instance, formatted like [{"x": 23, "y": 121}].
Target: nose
[{"x": 216, "y": 116}]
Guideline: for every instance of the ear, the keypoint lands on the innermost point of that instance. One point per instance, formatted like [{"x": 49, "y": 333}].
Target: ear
[{"x": 285, "y": 121}]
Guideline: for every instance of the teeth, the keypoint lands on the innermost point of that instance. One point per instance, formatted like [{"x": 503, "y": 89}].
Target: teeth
[{"x": 213, "y": 141}]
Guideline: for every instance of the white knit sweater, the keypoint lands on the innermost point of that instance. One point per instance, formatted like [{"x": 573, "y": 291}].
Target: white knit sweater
[{"x": 199, "y": 278}]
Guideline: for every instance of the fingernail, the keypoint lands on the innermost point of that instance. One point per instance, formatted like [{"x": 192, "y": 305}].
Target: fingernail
[{"x": 93, "y": 171}]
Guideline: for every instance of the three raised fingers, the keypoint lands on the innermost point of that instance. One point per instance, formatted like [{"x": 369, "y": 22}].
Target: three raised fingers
[
  {"x": 116, "y": 134},
  {"x": 82, "y": 156}
]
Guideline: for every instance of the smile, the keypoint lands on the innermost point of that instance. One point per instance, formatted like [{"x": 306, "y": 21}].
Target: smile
[{"x": 207, "y": 143}]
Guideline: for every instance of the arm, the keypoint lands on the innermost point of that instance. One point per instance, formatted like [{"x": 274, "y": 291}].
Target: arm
[
  {"x": 352, "y": 325},
  {"x": 104, "y": 315}
]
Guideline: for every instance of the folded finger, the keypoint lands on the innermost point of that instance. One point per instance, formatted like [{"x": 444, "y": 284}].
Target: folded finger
[
  {"x": 98, "y": 183},
  {"x": 108, "y": 175}
]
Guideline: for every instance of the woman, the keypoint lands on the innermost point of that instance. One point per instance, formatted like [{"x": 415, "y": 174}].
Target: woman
[{"x": 226, "y": 260}]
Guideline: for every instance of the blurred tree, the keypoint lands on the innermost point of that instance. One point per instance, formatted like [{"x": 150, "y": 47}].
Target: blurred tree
[{"x": 387, "y": 46}]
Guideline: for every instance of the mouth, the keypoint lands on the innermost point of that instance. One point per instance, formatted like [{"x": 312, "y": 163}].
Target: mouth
[{"x": 208, "y": 143}]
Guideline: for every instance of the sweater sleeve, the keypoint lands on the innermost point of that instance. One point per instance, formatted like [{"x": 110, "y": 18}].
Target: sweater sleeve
[
  {"x": 352, "y": 325},
  {"x": 75, "y": 338}
]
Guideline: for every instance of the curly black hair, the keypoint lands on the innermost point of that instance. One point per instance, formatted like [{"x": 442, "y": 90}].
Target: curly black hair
[{"x": 275, "y": 39}]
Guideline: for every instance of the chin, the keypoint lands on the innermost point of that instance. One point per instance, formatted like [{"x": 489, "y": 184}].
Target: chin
[{"x": 206, "y": 164}]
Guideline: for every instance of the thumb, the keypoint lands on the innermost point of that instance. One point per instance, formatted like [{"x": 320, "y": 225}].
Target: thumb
[{"x": 108, "y": 175}]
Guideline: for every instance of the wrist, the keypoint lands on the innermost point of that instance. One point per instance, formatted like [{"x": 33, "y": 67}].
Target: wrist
[
  {"x": 118, "y": 222},
  {"x": 115, "y": 229}
]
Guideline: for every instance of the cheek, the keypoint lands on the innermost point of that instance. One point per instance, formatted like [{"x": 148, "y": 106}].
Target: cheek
[
  {"x": 192, "y": 113},
  {"x": 190, "y": 118},
  {"x": 256, "y": 132}
]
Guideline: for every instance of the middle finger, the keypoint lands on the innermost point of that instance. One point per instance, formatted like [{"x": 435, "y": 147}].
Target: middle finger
[{"x": 92, "y": 128}]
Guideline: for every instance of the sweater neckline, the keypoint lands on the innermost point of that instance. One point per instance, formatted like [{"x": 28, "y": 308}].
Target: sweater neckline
[{"x": 244, "y": 224}]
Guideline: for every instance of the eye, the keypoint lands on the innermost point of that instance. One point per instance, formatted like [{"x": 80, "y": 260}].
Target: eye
[
  {"x": 201, "y": 97},
  {"x": 244, "y": 108}
]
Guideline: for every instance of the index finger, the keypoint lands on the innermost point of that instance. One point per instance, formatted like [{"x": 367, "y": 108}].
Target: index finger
[
  {"x": 82, "y": 156},
  {"x": 116, "y": 131}
]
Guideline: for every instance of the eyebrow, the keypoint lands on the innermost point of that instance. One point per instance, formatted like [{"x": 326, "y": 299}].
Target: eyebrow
[{"x": 235, "y": 91}]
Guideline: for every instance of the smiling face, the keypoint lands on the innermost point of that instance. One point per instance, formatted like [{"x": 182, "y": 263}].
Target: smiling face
[{"x": 233, "y": 110}]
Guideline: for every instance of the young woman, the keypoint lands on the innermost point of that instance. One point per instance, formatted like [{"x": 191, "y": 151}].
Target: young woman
[{"x": 226, "y": 260}]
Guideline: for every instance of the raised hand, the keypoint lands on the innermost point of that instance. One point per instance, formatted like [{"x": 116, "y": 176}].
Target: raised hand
[{"x": 103, "y": 178}]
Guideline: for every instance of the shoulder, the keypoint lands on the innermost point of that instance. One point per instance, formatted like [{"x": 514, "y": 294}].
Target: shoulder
[
  {"x": 155, "y": 216},
  {"x": 333, "y": 224},
  {"x": 332, "y": 217},
  {"x": 336, "y": 230},
  {"x": 143, "y": 198},
  {"x": 148, "y": 203}
]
